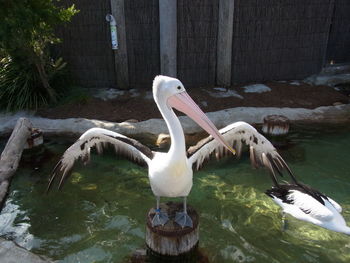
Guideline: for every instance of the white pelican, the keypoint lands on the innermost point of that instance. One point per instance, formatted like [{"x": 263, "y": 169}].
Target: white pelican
[
  {"x": 307, "y": 204},
  {"x": 170, "y": 173}
]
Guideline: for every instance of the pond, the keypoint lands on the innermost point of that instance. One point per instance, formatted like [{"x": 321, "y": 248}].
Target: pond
[{"x": 99, "y": 214}]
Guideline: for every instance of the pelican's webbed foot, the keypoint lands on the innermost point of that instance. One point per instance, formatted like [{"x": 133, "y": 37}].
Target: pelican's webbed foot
[
  {"x": 160, "y": 218},
  {"x": 183, "y": 219}
]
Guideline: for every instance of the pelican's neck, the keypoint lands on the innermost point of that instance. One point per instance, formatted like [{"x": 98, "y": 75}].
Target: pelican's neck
[{"x": 178, "y": 144}]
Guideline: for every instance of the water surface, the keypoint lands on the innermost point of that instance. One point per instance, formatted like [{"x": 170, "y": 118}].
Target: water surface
[{"x": 100, "y": 213}]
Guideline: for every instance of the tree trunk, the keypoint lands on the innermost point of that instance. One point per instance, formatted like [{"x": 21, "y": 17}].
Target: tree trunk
[{"x": 12, "y": 153}]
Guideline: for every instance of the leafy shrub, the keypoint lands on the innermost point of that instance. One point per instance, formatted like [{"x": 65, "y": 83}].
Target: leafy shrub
[
  {"x": 29, "y": 76},
  {"x": 20, "y": 84}
]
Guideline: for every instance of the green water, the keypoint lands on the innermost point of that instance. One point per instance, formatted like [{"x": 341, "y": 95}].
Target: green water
[{"x": 100, "y": 213}]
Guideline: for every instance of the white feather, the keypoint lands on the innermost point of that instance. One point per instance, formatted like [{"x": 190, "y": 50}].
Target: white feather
[
  {"x": 237, "y": 132},
  {"x": 307, "y": 203}
]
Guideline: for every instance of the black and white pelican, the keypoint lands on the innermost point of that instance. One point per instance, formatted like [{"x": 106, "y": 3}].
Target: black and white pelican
[
  {"x": 308, "y": 204},
  {"x": 170, "y": 173}
]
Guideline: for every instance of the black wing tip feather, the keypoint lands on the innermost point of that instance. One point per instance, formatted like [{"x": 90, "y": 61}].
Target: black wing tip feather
[
  {"x": 53, "y": 175},
  {"x": 281, "y": 192}
]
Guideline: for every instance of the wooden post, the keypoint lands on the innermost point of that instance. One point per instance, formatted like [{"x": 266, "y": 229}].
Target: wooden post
[
  {"x": 275, "y": 125},
  {"x": 224, "y": 42},
  {"x": 120, "y": 54},
  {"x": 12, "y": 153},
  {"x": 171, "y": 241},
  {"x": 168, "y": 37}
]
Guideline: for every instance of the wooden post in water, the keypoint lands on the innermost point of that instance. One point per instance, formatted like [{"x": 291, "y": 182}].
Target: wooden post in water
[
  {"x": 276, "y": 127},
  {"x": 171, "y": 242}
]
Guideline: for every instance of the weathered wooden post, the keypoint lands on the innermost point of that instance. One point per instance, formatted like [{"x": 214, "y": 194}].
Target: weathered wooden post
[
  {"x": 224, "y": 42},
  {"x": 168, "y": 37},
  {"x": 171, "y": 242},
  {"x": 276, "y": 127},
  {"x": 120, "y": 54}
]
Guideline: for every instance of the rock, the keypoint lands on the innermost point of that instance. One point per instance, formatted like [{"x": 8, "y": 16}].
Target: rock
[
  {"x": 256, "y": 88},
  {"x": 224, "y": 93},
  {"x": 134, "y": 93},
  {"x": 295, "y": 83},
  {"x": 220, "y": 89},
  {"x": 328, "y": 79},
  {"x": 106, "y": 94},
  {"x": 10, "y": 252},
  {"x": 337, "y": 103}
]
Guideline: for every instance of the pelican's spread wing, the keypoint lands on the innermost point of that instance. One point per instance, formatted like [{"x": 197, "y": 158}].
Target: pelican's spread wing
[
  {"x": 262, "y": 152},
  {"x": 99, "y": 138}
]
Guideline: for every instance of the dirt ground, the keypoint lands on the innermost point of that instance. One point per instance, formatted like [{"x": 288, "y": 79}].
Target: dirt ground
[{"x": 140, "y": 108}]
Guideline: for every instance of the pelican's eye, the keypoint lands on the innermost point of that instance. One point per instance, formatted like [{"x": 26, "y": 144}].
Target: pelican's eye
[{"x": 178, "y": 87}]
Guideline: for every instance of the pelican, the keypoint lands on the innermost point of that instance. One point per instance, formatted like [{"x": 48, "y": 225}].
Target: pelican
[
  {"x": 170, "y": 173},
  {"x": 308, "y": 204}
]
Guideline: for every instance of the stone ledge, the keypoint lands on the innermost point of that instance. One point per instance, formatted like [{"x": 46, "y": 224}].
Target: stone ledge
[{"x": 151, "y": 128}]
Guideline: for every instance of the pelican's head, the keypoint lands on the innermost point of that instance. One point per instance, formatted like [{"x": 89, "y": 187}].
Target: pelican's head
[
  {"x": 171, "y": 92},
  {"x": 164, "y": 87}
]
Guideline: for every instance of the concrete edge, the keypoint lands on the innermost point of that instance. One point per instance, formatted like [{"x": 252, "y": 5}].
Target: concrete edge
[{"x": 153, "y": 127}]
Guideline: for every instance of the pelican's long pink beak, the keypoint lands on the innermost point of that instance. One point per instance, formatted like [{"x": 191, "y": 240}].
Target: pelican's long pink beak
[{"x": 184, "y": 103}]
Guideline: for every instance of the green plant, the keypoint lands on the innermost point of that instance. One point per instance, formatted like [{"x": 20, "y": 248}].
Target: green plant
[
  {"x": 19, "y": 87},
  {"x": 29, "y": 76}
]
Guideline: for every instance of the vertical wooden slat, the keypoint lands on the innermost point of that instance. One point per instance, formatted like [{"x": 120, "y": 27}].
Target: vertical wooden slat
[
  {"x": 168, "y": 37},
  {"x": 224, "y": 42},
  {"x": 120, "y": 55}
]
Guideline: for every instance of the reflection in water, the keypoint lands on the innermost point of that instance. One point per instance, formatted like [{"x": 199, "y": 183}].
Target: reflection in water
[{"x": 99, "y": 215}]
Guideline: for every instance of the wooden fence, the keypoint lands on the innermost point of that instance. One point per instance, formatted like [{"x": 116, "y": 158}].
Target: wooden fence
[{"x": 204, "y": 42}]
